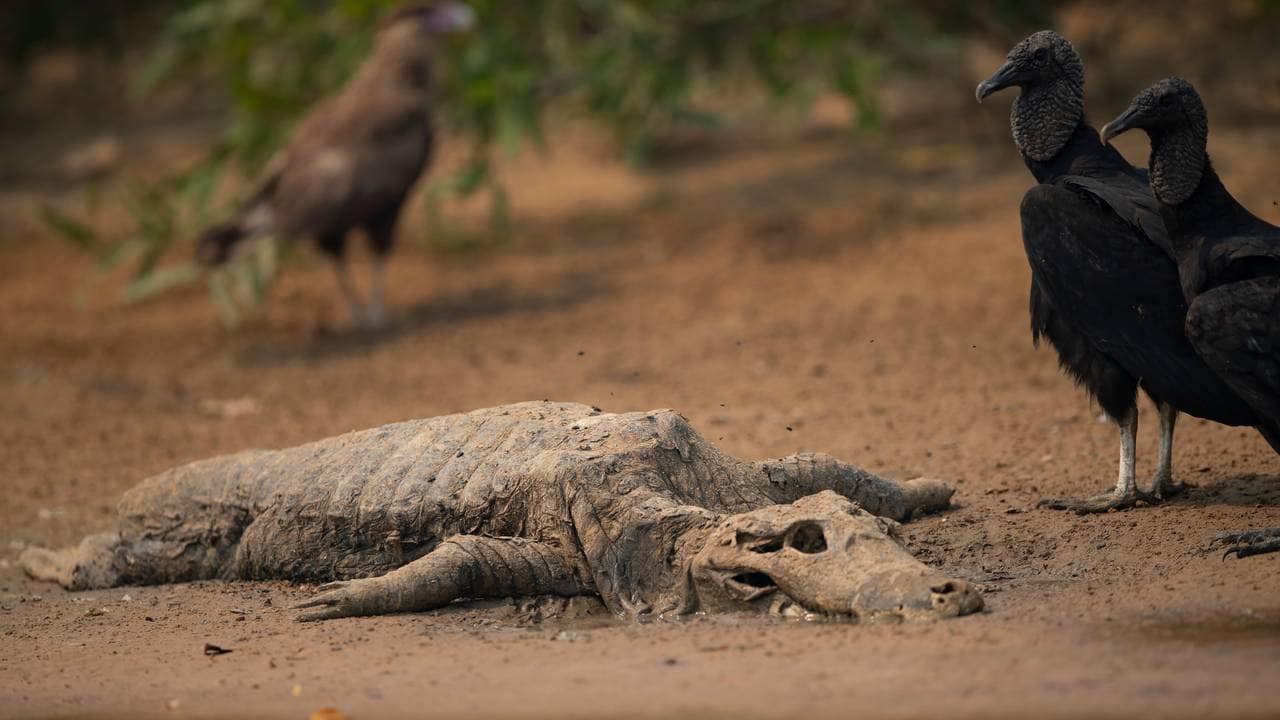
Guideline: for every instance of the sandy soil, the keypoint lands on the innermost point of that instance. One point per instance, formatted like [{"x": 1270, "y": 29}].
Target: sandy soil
[{"x": 786, "y": 293}]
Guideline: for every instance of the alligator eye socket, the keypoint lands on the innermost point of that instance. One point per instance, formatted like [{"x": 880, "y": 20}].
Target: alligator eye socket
[
  {"x": 807, "y": 538},
  {"x": 754, "y": 579}
]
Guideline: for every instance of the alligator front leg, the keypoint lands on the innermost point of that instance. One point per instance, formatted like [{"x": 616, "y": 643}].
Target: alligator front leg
[
  {"x": 463, "y": 566},
  {"x": 796, "y": 476}
]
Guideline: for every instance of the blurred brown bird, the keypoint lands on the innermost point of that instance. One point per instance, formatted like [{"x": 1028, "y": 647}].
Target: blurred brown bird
[{"x": 352, "y": 159}]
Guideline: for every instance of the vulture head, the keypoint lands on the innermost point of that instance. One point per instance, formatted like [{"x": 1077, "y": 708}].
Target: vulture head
[
  {"x": 1042, "y": 59},
  {"x": 1174, "y": 117},
  {"x": 1170, "y": 105},
  {"x": 1051, "y": 76}
]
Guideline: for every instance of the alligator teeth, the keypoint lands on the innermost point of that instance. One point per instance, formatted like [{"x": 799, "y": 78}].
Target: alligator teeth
[{"x": 824, "y": 617}]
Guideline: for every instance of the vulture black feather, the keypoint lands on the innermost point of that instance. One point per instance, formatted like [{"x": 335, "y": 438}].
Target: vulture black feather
[
  {"x": 1228, "y": 260},
  {"x": 351, "y": 160},
  {"x": 1104, "y": 287}
]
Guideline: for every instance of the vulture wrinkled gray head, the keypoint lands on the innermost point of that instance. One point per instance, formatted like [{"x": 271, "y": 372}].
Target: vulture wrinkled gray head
[
  {"x": 1168, "y": 106},
  {"x": 1042, "y": 58},
  {"x": 1173, "y": 115},
  {"x": 1049, "y": 71}
]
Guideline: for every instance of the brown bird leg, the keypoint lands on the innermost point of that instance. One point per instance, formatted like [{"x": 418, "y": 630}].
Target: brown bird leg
[
  {"x": 375, "y": 313},
  {"x": 349, "y": 293},
  {"x": 381, "y": 232}
]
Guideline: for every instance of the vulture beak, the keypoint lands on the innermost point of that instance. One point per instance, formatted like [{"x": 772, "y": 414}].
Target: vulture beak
[
  {"x": 1126, "y": 121},
  {"x": 1005, "y": 76}
]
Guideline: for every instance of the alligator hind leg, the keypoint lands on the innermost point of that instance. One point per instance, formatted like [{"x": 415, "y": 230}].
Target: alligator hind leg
[
  {"x": 1250, "y": 542},
  {"x": 463, "y": 566},
  {"x": 86, "y": 566}
]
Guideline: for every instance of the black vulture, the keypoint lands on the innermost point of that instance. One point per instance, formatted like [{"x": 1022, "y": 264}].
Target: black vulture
[
  {"x": 1104, "y": 288},
  {"x": 1229, "y": 260},
  {"x": 352, "y": 159}
]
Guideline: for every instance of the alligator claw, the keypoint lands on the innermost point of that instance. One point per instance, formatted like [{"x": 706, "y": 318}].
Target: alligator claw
[{"x": 336, "y": 599}]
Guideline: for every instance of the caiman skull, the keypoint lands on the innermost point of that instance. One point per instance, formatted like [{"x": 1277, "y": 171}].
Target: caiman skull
[{"x": 822, "y": 558}]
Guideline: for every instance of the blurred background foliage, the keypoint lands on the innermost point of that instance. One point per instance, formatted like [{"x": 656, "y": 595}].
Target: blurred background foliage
[{"x": 635, "y": 66}]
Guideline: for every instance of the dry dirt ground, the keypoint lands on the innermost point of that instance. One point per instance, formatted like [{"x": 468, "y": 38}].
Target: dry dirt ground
[{"x": 787, "y": 292}]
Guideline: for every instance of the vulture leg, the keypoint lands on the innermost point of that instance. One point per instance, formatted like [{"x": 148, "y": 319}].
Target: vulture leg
[
  {"x": 1250, "y": 542},
  {"x": 1162, "y": 484},
  {"x": 1126, "y": 493}
]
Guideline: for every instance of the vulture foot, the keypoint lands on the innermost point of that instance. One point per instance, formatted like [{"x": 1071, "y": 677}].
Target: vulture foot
[
  {"x": 1105, "y": 502},
  {"x": 1165, "y": 488},
  {"x": 1250, "y": 542}
]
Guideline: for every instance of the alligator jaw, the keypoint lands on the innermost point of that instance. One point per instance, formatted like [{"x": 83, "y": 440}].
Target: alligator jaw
[{"x": 785, "y": 607}]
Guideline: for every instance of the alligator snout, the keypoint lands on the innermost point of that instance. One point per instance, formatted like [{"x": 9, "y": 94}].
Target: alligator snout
[
  {"x": 913, "y": 593},
  {"x": 822, "y": 558}
]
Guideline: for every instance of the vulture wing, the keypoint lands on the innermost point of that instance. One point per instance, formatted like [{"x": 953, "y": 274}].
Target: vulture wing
[{"x": 1119, "y": 290}]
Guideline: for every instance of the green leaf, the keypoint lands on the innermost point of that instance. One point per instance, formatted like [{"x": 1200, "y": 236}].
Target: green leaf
[
  {"x": 70, "y": 229},
  {"x": 158, "y": 281},
  {"x": 117, "y": 255}
]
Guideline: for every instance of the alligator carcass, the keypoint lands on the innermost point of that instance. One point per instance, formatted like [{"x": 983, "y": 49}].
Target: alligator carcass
[{"x": 529, "y": 499}]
